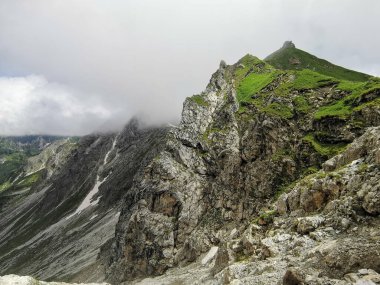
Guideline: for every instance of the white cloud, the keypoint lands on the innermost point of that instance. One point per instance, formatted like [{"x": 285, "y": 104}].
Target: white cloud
[
  {"x": 35, "y": 106},
  {"x": 146, "y": 56}
]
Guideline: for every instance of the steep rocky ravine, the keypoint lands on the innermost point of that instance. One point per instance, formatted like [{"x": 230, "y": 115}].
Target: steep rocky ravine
[{"x": 271, "y": 176}]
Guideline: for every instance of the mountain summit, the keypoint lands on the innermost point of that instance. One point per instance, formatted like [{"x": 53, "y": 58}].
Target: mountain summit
[
  {"x": 288, "y": 44},
  {"x": 288, "y": 57}
]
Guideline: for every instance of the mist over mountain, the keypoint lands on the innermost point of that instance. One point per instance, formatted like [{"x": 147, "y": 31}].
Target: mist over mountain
[{"x": 69, "y": 67}]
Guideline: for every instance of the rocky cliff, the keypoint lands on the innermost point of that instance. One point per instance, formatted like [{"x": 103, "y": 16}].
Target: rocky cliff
[{"x": 271, "y": 176}]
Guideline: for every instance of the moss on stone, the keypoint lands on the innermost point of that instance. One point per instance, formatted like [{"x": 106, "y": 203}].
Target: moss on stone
[
  {"x": 198, "y": 99},
  {"x": 266, "y": 217},
  {"x": 362, "y": 167},
  {"x": 5, "y": 186},
  {"x": 310, "y": 170},
  {"x": 282, "y": 153},
  {"x": 211, "y": 130},
  {"x": 374, "y": 103},
  {"x": 323, "y": 148},
  {"x": 279, "y": 109},
  {"x": 301, "y": 104},
  {"x": 355, "y": 101},
  {"x": 307, "y": 79},
  {"x": 29, "y": 180},
  {"x": 339, "y": 109},
  {"x": 252, "y": 84},
  {"x": 249, "y": 64},
  {"x": 349, "y": 86}
]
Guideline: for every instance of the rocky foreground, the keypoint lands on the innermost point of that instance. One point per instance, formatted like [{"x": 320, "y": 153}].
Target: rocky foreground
[
  {"x": 26, "y": 280},
  {"x": 300, "y": 244},
  {"x": 272, "y": 177}
]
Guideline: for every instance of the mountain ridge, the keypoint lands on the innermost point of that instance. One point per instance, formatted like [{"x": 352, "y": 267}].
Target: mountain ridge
[{"x": 258, "y": 184}]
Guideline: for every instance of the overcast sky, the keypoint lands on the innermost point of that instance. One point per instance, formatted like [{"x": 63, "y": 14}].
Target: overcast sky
[{"x": 74, "y": 66}]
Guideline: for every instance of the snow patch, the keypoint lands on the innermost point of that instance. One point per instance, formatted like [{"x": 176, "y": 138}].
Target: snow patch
[
  {"x": 93, "y": 217},
  {"x": 108, "y": 153},
  {"x": 88, "y": 200}
]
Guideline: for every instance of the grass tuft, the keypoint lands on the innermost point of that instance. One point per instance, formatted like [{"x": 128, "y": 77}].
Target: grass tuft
[
  {"x": 198, "y": 99},
  {"x": 307, "y": 79},
  {"x": 252, "y": 84},
  {"x": 280, "y": 110},
  {"x": 355, "y": 101},
  {"x": 301, "y": 104}
]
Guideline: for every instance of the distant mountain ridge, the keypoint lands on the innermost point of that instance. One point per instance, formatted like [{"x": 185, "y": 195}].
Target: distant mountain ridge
[
  {"x": 27, "y": 143},
  {"x": 14, "y": 154}
]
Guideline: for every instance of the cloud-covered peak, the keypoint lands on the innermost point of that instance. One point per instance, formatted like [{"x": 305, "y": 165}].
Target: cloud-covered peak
[{"x": 121, "y": 58}]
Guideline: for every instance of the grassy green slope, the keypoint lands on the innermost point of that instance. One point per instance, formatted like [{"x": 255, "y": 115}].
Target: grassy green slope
[
  {"x": 304, "y": 95},
  {"x": 360, "y": 95},
  {"x": 291, "y": 58}
]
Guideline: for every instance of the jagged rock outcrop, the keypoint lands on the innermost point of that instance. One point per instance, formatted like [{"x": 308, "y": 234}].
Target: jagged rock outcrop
[
  {"x": 222, "y": 167},
  {"x": 336, "y": 243},
  {"x": 288, "y": 44}
]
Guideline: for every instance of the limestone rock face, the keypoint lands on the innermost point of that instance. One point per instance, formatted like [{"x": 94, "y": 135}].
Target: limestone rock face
[{"x": 219, "y": 171}]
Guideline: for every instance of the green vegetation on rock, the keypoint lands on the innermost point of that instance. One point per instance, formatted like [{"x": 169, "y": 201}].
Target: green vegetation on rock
[
  {"x": 5, "y": 186},
  {"x": 251, "y": 75},
  {"x": 198, "y": 99},
  {"x": 209, "y": 134},
  {"x": 340, "y": 109},
  {"x": 29, "y": 180},
  {"x": 361, "y": 95},
  {"x": 266, "y": 217},
  {"x": 15, "y": 152},
  {"x": 323, "y": 148},
  {"x": 307, "y": 79},
  {"x": 301, "y": 104},
  {"x": 349, "y": 86},
  {"x": 282, "y": 153},
  {"x": 279, "y": 109},
  {"x": 253, "y": 84},
  {"x": 250, "y": 64},
  {"x": 374, "y": 103},
  {"x": 10, "y": 166}
]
